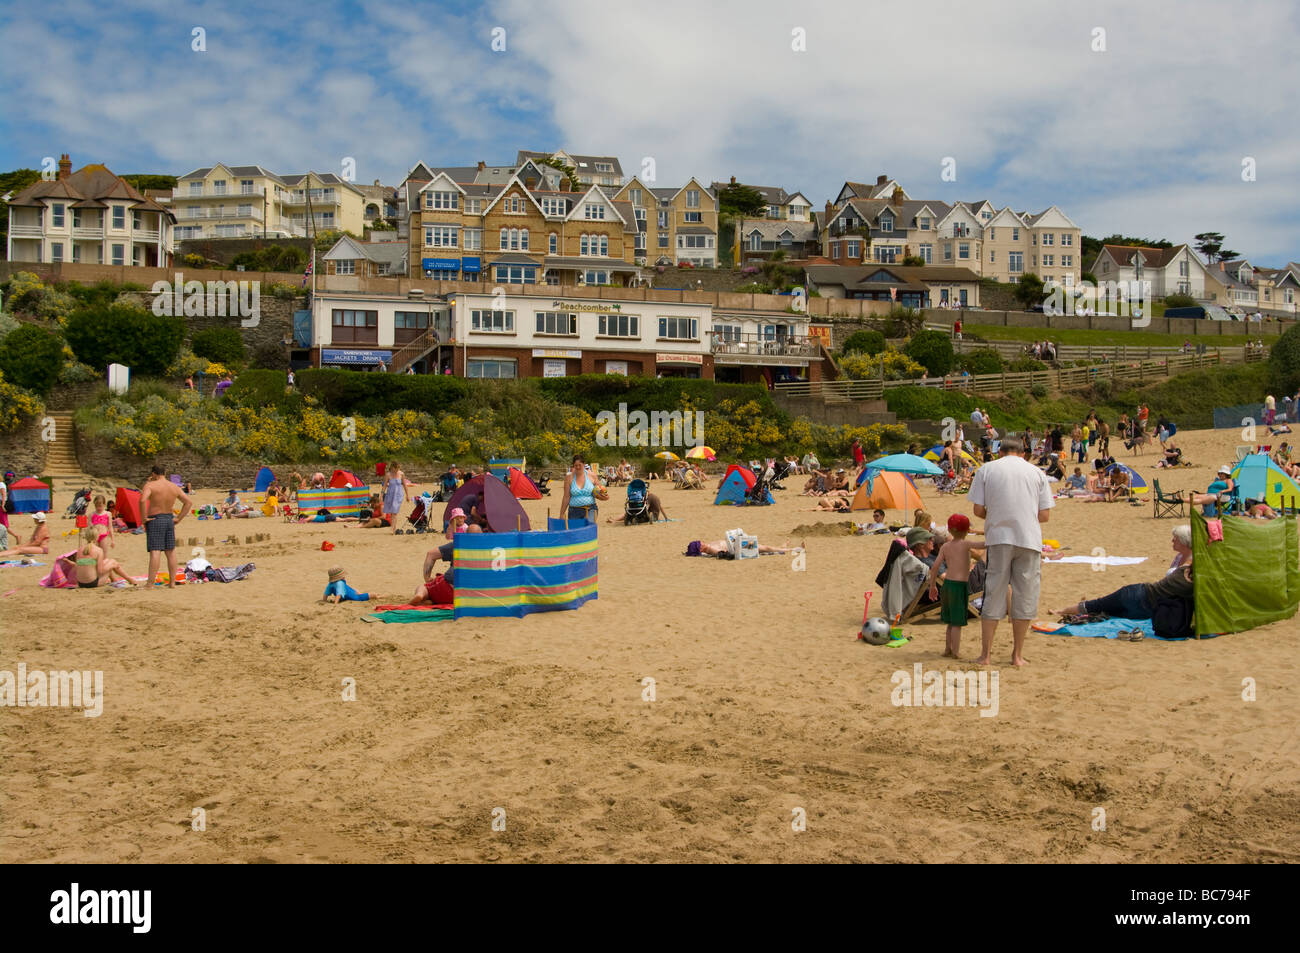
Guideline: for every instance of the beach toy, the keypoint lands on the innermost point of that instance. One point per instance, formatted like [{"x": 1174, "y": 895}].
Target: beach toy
[
  {"x": 326, "y": 546},
  {"x": 875, "y": 631},
  {"x": 866, "y": 607}
]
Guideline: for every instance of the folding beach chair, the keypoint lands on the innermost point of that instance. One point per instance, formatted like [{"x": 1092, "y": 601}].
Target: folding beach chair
[{"x": 1167, "y": 505}]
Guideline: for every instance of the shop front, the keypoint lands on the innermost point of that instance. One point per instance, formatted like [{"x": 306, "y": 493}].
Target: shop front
[{"x": 681, "y": 365}]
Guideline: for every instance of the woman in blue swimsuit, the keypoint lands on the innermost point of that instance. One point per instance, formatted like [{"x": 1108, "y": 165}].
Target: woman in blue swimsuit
[{"x": 580, "y": 497}]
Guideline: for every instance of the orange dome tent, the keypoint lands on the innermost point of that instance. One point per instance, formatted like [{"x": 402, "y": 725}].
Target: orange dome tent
[{"x": 888, "y": 491}]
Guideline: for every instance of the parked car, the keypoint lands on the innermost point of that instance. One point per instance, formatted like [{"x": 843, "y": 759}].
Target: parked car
[{"x": 1205, "y": 312}]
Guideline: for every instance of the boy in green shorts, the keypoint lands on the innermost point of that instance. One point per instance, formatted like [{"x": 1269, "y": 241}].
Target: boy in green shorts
[{"x": 954, "y": 555}]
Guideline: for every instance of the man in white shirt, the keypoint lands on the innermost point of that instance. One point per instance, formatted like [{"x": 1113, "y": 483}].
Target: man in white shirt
[{"x": 1014, "y": 498}]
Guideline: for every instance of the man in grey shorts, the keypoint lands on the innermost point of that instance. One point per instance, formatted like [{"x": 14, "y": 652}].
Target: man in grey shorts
[
  {"x": 157, "y": 502},
  {"x": 1014, "y": 499}
]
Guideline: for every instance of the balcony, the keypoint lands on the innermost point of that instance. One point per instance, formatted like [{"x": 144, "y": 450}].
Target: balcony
[
  {"x": 145, "y": 234},
  {"x": 26, "y": 231},
  {"x": 199, "y": 215},
  {"x": 211, "y": 193},
  {"x": 88, "y": 232},
  {"x": 757, "y": 349},
  {"x": 317, "y": 198}
]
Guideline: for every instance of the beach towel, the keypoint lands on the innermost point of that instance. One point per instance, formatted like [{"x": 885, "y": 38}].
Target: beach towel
[
  {"x": 411, "y": 614},
  {"x": 12, "y": 563},
  {"x": 1105, "y": 629},
  {"x": 227, "y": 573},
  {"x": 1101, "y": 560}
]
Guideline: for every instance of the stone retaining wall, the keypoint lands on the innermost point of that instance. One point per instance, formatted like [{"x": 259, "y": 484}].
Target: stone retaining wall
[{"x": 23, "y": 451}]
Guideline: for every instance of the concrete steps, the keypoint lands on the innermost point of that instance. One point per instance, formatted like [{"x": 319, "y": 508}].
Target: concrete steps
[{"x": 61, "y": 454}]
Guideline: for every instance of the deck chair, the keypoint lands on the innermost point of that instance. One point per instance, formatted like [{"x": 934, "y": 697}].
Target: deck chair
[
  {"x": 1243, "y": 452},
  {"x": 916, "y": 609},
  {"x": 1167, "y": 505}
]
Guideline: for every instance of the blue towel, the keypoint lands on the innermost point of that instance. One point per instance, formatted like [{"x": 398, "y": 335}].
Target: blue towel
[{"x": 1111, "y": 628}]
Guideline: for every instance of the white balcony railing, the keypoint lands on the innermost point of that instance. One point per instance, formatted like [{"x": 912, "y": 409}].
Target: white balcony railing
[
  {"x": 198, "y": 215},
  {"x": 755, "y": 345},
  {"x": 88, "y": 232},
  {"x": 317, "y": 198},
  {"x": 211, "y": 193},
  {"x": 26, "y": 231},
  {"x": 145, "y": 235}
]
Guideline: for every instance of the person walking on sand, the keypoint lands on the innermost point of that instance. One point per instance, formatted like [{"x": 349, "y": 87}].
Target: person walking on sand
[
  {"x": 394, "y": 492},
  {"x": 1014, "y": 499},
  {"x": 158, "y": 501}
]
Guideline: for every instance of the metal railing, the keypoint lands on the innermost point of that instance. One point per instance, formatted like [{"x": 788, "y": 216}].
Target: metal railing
[
  {"x": 251, "y": 211},
  {"x": 413, "y": 350},
  {"x": 757, "y": 344}
]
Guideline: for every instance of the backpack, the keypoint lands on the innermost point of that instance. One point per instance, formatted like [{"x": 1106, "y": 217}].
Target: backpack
[{"x": 1172, "y": 618}]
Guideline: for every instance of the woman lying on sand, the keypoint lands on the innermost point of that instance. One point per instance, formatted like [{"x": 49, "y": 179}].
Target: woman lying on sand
[
  {"x": 718, "y": 547},
  {"x": 38, "y": 545},
  {"x": 1138, "y": 601}
]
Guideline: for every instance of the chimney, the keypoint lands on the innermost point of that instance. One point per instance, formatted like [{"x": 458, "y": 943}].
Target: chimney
[
  {"x": 530, "y": 183},
  {"x": 881, "y": 179},
  {"x": 830, "y": 209},
  {"x": 481, "y": 165},
  {"x": 565, "y": 185},
  {"x": 733, "y": 180},
  {"x": 65, "y": 166},
  {"x": 898, "y": 195}
]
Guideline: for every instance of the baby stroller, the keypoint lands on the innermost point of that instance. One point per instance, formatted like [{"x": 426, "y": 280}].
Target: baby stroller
[
  {"x": 758, "y": 493},
  {"x": 419, "y": 518},
  {"x": 541, "y": 482},
  {"x": 780, "y": 470},
  {"x": 79, "y": 504},
  {"x": 447, "y": 486},
  {"x": 635, "y": 509}
]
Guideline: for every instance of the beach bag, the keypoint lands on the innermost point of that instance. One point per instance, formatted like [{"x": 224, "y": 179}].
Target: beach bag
[{"x": 1172, "y": 618}]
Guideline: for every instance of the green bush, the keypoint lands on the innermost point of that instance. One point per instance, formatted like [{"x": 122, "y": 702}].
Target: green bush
[
  {"x": 933, "y": 350},
  {"x": 984, "y": 360},
  {"x": 264, "y": 388},
  {"x": 271, "y": 357},
  {"x": 1180, "y": 301},
  {"x": 32, "y": 358},
  {"x": 357, "y": 392},
  {"x": 74, "y": 372},
  {"x": 1025, "y": 363},
  {"x": 125, "y": 334},
  {"x": 864, "y": 342},
  {"x": 1284, "y": 361},
  {"x": 1038, "y": 391},
  {"x": 220, "y": 345},
  {"x": 1102, "y": 388}
]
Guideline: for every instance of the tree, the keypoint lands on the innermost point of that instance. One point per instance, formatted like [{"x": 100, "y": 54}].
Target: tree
[
  {"x": 913, "y": 261},
  {"x": 1029, "y": 289},
  {"x": 1210, "y": 245},
  {"x": 569, "y": 172},
  {"x": 125, "y": 334},
  {"x": 933, "y": 350},
  {"x": 983, "y": 360},
  {"x": 32, "y": 357},
  {"x": 220, "y": 345},
  {"x": 740, "y": 201},
  {"x": 11, "y": 183},
  {"x": 144, "y": 181},
  {"x": 1090, "y": 248},
  {"x": 1283, "y": 360},
  {"x": 864, "y": 342}
]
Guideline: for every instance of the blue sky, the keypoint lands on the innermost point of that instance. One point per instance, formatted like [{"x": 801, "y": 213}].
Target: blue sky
[{"x": 1147, "y": 137}]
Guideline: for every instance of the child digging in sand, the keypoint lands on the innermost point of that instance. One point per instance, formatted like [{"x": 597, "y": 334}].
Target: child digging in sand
[
  {"x": 338, "y": 589},
  {"x": 955, "y": 555}
]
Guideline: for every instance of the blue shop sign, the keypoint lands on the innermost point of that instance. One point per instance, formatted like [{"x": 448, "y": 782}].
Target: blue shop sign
[{"x": 352, "y": 356}]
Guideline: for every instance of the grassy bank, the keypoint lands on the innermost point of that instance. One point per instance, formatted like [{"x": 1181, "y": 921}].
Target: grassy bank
[{"x": 1084, "y": 336}]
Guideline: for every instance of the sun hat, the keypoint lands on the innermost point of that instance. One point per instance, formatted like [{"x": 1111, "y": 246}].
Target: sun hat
[
  {"x": 1225, "y": 469},
  {"x": 336, "y": 574},
  {"x": 39, "y": 517},
  {"x": 456, "y": 512},
  {"x": 918, "y": 534}
]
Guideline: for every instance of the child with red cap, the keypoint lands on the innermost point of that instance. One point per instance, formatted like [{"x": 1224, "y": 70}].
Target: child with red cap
[{"x": 955, "y": 555}]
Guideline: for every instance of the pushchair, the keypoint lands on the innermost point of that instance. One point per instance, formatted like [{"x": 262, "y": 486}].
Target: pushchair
[
  {"x": 541, "y": 482},
  {"x": 79, "y": 504},
  {"x": 758, "y": 493},
  {"x": 780, "y": 470},
  {"x": 635, "y": 508},
  {"x": 419, "y": 517},
  {"x": 447, "y": 486}
]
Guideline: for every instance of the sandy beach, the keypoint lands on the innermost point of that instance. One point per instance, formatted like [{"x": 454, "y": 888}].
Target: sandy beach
[{"x": 229, "y": 698}]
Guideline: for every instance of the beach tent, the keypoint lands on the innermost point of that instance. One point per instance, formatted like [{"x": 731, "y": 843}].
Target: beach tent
[
  {"x": 343, "y": 478},
  {"x": 499, "y": 467},
  {"x": 1136, "y": 481},
  {"x": 128, "y": 506},
  {"x": 1250, "y": 577},
  {"x": 887, "y": 491},
  {"x": 1260, "y": 478},
  {"x": 936, "y": 451},
  {"x": 30, "y": 496},
  {"x": 264, "y": 479},
  {"x": 735, "y": 486},
  {"x": 542, "y": 572},
  {"x": 522, "y": 485},
  {"x": 495, "y": 501},
  {"x": 340, "y": 501}
]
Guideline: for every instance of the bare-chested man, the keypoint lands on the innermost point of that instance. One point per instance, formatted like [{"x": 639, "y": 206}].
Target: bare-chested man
[{"x": 158, "y": 502}]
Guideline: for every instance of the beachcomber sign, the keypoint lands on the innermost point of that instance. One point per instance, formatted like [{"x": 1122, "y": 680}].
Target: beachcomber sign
[
  {"x": 349, "y": 356},
  {"x": 574, "y": 306}
]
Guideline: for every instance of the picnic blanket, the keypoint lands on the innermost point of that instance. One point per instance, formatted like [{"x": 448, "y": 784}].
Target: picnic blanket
[
  {"x": 1104, "y": 629},
  {"x": 410, "y": 613}
]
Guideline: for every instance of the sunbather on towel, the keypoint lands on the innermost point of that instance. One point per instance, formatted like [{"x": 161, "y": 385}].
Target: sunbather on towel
[
  {"x": 1138, "y": 601},
  {"x": 718, "y": 547}
]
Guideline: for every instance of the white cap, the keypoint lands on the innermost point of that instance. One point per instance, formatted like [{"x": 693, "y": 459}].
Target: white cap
[
  {"x": 1225, "y": 469},
  {"x": 39, "y": 517}
]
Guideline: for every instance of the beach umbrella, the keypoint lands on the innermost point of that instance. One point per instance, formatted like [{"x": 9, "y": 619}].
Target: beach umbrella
[
  {"x": 667, "y": 455},
  {"x": 697, "y": 453},
  {"x": 1138, "y": 484},
  {"x": 905, "y": 463}
]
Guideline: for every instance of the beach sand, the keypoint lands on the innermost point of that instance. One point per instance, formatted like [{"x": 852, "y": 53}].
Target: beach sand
[{"x": 229, "y": 698}]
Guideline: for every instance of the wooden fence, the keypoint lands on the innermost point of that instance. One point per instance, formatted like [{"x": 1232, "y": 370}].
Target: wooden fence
[{"x": 1063, "y": 378}]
